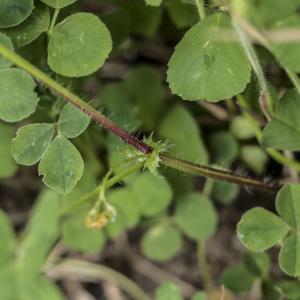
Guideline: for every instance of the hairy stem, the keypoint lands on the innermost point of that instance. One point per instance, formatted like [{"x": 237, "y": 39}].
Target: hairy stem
[
  {"x": 102, "y": 120},
  {"x": 86, "y": 270},
  {"x": 220, "y": 174}
]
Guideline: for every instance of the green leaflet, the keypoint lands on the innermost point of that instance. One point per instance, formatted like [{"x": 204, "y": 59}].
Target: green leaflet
[
  {"x": 283, "y": 131},
  {"x": 13, "y": 12},
  {"x": 237, "y": 278},
  {"x": 203, "y": 67},
  {"x": 158, "y": 196},
  {"x": 289, "y": 255},
  {"x": 61, "y": 166},
  {"x": 260, "y": 229},
  {"x": 181, "y": 129},
  {"x": 223, "y": 148},
  {"x": 161, "y": 242},
  {"x": 168, "y": 291},
  {"x": 17, "y": 97},
  {"x": 288, "y": 204},
  {"x": 58, "y": 3},
  {"x": 125, "y": 201},
  {"x": 241, "y": 128},
  {"x": 79, "y": 45},
  {"x": 7, "y": 163},
  {"x": 72, "y": 121},
  {"x": 196, "y": 216},
  {"x": 255, "y": 158},
  {"x": 31, "y": 143},
  {"x": 37, "y": 23},
  {"x": 257, "y": 263},
  {"x": 224, "y": 192},
  {"x": 5, "y": 41}
]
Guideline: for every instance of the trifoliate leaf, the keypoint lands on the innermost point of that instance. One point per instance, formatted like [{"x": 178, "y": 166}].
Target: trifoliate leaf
[
  {"x": 289, "y": 255},
  {"x": 7, "y": 43},
  {"x": 288, "y": 204},
  {"x": 196, "y": 216},
  {"x": 182, "y": 131},
  {"x": 283, "y": 132},
  {"x": 7, "y": 163},
  {"x": 205, "y": 67},
  {"x": 37, "y": 23},
  {"x": 168, "y": 291},
  {"x": 161, "y": 242},
  {"x": 17, "y": 97},
  {"x": 260, "y": 229},
  {"x": 58, "y": 3},
  {"x": 62, "y": 165},
  {"x": 79, "y": 45},
  {"x": 72, "y": 121},
  {"x": 13, "y": 12},
  {"x": 31, "y": 143},
  {"x": 157, "y": 197}
]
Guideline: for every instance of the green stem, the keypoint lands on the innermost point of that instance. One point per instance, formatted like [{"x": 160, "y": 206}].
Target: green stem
[
  {"x": 203, "y": 265},
  {"x": 276, "y": 155},
  {"x": 87, "y": 270},
  {"x": 101, "y": 119},
  {"x": 108, "y": 184},
  {"x": 53, "y": 21},
  {"x": 220, "y": 174},
  {"x": 201, "y": 9}
]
